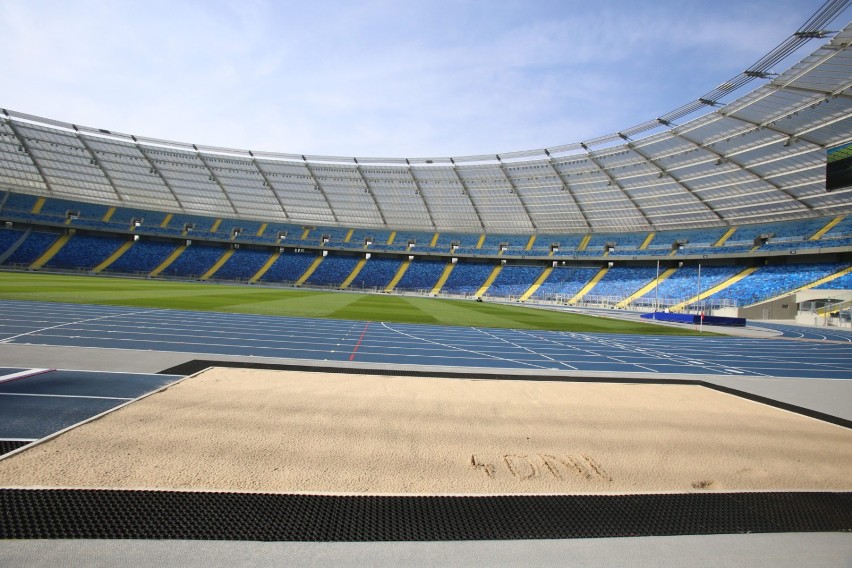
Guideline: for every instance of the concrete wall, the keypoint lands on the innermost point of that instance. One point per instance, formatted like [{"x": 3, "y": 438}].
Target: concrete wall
[
  {"x": 807, "y": 295},
  {"x": 784, "y": 308}
]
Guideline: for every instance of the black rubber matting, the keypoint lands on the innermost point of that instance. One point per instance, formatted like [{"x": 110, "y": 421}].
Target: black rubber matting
[
  {"x": 126, "y": 514},
  {"x": 7, "y": 446},
  {"x": 196, "y": 365}
]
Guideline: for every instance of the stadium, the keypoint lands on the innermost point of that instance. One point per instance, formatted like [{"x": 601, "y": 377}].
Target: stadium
[{"x": 643, "y": 334}]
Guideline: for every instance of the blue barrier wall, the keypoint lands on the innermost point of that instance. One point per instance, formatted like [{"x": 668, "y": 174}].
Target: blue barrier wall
[{"x": 696, "y": 319}]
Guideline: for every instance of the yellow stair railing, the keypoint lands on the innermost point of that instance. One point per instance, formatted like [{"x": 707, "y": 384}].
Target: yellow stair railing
[
  {"x": 218, "y": 264},
  {"x": 310, "y": 270},
  {"x": 113, "y": 257},
  {"x": 645, "y": 289},
  {"x": 589, "y": 285},
  {"x": 170, "y": 259},
  {"x": 266, "y": 266},
  {"x": 443, "y": 279},
  {"x": 489, "y": 281},
  {"x": 716, "y": 289},
  {"x": 537, "y": 284},
  {"x": 50, "y": 252},
  {"x": 352, "y": 275},
  {"x": 398, "y": 276},
  {"x": 828, "y": 226}
]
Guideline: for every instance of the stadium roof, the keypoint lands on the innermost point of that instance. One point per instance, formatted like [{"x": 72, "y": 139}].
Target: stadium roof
[{"x": 758, "y": 158}]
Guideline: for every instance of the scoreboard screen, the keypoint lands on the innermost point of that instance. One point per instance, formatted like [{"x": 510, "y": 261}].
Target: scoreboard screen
[{"x": 838, "y": 171}]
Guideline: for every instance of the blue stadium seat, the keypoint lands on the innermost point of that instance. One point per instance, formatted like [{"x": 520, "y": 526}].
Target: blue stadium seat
[
  {"x": 622, "y": 281},
  {"x": 143, "y": 257},
  {"x": 332, "y": 271},
  {"x": 84, "y": 252},
  {"x": 422, "y": 274},
  {"x": 514, "y": 280},
  {"x": 467, "y": 278},
  {"x": 194, "y": 261},
  {"x": 564, "y": 283},
  {"x": 243, "y": 264},
  {"x": 31, "y": 249},
  {"x": 775, "y": 280},
  {"x": 289, "y": 267},
  {"x": 377, "y": 273}
]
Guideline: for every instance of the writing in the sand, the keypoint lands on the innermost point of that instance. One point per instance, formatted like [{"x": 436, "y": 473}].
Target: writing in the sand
[{"x": 530, "y": 466}]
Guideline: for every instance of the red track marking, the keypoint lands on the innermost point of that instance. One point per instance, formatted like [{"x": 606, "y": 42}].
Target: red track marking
[{"x": 360, "y": 339}]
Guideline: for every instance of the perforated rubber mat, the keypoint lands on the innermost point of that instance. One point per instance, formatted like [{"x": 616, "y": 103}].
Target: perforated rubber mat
[
  {"x": 7, "y": 446},
  {"x": 106, "y": 514}
]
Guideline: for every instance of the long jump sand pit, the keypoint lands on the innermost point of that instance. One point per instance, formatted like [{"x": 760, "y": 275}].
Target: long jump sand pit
[{"x": 285, "y": 431}]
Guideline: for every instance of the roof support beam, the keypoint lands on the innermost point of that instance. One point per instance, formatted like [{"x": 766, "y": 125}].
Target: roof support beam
[
  {"x": 614, "y": 182},
  {"x": 22, "y": 142},
  {"x": 515, "y": 191},
  {"x": 268, "y": 184},
  {"x": 215, "y": 178},
  {"x": 740, "y": 165},
  {"x": 775, "y": 87},
  {"x": 823, "y": 125},
  {"x": 369, "y": 190},
  {"x": 319, "y": 188},
  {"x": 567, "y": 187},
  {"x": 663, "y": 172},
  {"x": 773, "y": 129},
  {"x": 420, "y": 193},
  {"x": 466, "y": 192},
  {"x": 156, "y": 170},
  {"x": 97, "y": 163},
  {"x": 833, "y": 94}
]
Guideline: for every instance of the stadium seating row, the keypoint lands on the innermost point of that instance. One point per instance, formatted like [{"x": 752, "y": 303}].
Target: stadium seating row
[
  {"x": 790, "y": 235},
  {"x": 85, "y": 252},
  {"x": 77, "y": 250}
]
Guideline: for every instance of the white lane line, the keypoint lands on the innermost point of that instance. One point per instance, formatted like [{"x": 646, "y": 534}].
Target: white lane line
[
  {"x": 527, "y": 349},
  {"x": 23, "y": 374},
  {"x": 677, "y": 359},
  {"x": 195, "y": 329},
  {"x": 292, "y": 346},
  {"x": 461, "y": 349},
  {"x": 117, "y": 372},
  {"x": 189, "y": 337},
  {"x": 62, "y": 396},
  {"x": 586, "y": 339},
  {"x": 17, "y": 439},
  {"x": 8, "y": 339}
]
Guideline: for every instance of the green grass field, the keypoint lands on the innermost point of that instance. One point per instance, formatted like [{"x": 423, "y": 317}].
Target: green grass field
[{"x": 305, "y": 303}]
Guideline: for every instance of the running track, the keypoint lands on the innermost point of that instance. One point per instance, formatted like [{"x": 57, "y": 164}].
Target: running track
[{"x": 114, "y": 327}]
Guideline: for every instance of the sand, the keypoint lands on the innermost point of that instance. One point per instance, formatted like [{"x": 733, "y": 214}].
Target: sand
[{"x": 280, "y": 431}]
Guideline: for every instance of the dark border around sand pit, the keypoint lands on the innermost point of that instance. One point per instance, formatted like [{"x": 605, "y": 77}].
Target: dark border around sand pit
[{"x": 197, "y": 365}]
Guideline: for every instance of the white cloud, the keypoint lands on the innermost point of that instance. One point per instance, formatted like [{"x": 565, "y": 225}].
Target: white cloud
[{"x": 390, "y": 78}]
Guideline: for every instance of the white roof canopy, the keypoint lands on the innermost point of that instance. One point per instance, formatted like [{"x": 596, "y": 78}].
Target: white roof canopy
[{"x": 760, "y": 157}]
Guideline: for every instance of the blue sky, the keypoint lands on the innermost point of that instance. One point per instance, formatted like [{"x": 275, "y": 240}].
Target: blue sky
[{"x": 415, "y": 78}]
